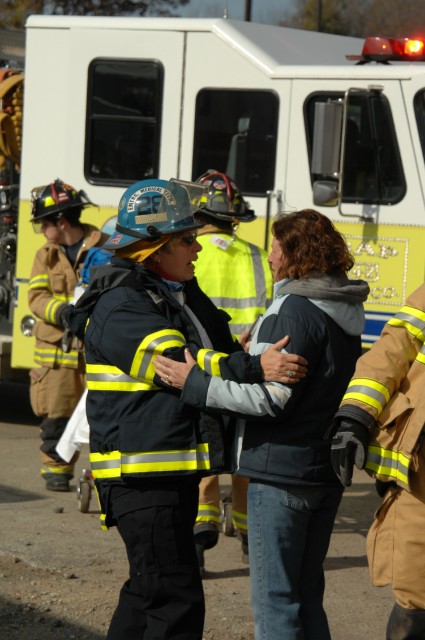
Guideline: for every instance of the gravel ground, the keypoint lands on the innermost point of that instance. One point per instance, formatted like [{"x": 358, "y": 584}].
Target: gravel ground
[{"x": 60, "y": 574}]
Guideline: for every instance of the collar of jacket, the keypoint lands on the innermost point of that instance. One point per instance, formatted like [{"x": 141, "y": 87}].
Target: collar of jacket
[
  {"x": 147, "y": 276},
  {"x": 324, "y": 286}
]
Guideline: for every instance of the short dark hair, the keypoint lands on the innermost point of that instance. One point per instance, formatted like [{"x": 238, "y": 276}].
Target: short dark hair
[
  {"x": 310, "y": 242},
  {"x": 72, "y": 215}
]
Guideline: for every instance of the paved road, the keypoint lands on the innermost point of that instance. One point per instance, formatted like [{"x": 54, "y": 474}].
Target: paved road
[{"x": 46, "y": 530}]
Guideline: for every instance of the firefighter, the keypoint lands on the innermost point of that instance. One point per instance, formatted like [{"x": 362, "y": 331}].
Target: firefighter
[
  {"x": 148, "y": 450},
  {"x": 380, "y": 427},
  {"x": 234, "y": 260},
  {"x": 58, "y": 382},
  {"x": 236, "y": 275}
]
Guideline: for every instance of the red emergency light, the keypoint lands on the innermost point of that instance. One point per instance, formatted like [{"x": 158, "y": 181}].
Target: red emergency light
[{"x": 392, "y": 49}]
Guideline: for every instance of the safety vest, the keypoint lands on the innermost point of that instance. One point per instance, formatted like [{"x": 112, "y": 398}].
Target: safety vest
[{"x": 236, "y": 276}]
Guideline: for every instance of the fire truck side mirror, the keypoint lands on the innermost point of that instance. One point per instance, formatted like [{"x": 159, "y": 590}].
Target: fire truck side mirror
[
  {"x": 325, "y": 159},
  {"x": 325, "y": 193}
]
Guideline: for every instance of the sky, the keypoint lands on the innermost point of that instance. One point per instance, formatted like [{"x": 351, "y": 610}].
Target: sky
[{"x": 266, "y": 11}]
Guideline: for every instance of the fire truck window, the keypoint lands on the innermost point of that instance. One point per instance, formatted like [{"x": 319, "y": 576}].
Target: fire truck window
[
  {"x": 372, "y": 169},
  {"x": 123, "y": 121},
  {"x": 235, "y": 132},
  {"x": 419, "y": 104}
]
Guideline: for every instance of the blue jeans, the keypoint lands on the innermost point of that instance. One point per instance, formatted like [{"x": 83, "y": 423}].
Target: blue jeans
[{"x": 289, "y": 533}]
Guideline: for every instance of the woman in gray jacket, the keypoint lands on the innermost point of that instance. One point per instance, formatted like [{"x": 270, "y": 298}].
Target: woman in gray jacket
[{"x": 283, "y": 447}]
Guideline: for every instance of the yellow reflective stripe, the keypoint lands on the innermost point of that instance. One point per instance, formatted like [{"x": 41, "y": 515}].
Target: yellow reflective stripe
[
  {"x": 106, "y": 465},
  {"x": 209, "y": 361},
  {"x": 240, "y": 520},
  {"x": 115, "y": 463},
  {"x": 190, "y": 460},
  {"x": 385, "y": 462},
  {"x": 421, "y": 355},
  {"x": 55, "y": 356},
  {"x": 51, "y": 309},
  {"x": 67, "y": 469},
  {"x": 412, "y": 319},
  {"x": 42, "y": 281},
  {"x": 102, "y": 518},
  {"x": 368, "y": 391},
  {"x": 208, "y": 513},
  {"x": 121, "y": 386},
  {"x": 71, "y": 357},
  {"x": 154, "y": 344},
  {"x": 103, "y": 377}
]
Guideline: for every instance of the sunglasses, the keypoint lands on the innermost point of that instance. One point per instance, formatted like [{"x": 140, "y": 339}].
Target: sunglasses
[{"x": 189, "y": 240}]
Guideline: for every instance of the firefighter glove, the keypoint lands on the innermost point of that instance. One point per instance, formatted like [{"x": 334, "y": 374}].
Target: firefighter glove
[
  {"x": 349, "y": 448},
  {"x": 62, "y": 316}
]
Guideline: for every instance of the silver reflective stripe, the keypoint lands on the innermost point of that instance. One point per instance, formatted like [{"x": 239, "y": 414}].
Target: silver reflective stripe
[
  {"x": 385, "y": 462},
  {"x": 208, "y": 367},
  {"x": 239, "y": 520},
  {"x": 172, "y": 456},
  {"x": 260, "y": 280},
  {"x": 149, "y": 353},
  {"x": 211, "y": 511},
  {"x": 368, "y": 391},
  {"x": 260, "y": 286},
  {"x": 105, "y": 464},
  {"x": 409, "y": 319},
  {"x": 237, "y": 328},
  {"x": 236, "y": 303},
  {"x": 110, "y": 377}
]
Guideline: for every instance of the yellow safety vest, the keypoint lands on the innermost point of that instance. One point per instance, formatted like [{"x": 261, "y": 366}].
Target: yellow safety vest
[{"x": 236, "y": 276}]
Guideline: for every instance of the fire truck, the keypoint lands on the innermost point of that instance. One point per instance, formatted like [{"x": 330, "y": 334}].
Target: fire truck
[{"x": 299, "y": 119}]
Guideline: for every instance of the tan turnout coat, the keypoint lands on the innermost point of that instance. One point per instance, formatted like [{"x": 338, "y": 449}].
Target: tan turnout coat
[{"x": 389, "y": 383}]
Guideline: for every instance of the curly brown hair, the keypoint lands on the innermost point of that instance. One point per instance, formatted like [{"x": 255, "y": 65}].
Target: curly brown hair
[{"x": 309, "y": 243}]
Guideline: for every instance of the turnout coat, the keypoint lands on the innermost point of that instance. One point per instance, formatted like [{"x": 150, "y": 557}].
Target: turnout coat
[
  {"x": 139, "y": 427},
  {"x": 387, "y": 395}
]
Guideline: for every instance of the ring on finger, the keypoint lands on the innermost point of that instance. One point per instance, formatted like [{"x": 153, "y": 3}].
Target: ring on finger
[{"x": 291, "y": 374}]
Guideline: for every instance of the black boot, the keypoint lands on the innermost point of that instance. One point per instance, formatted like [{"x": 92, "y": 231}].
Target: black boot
[
  {"x": 244, "y": 547},
  {"x": 406, "y": 624},
  {"x": 206, "y": 537},
  {"x": 57, "y": 481}
]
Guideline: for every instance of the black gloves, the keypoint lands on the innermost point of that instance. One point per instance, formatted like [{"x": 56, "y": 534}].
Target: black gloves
[
  {"x": 66, "y": 342},
  {"x": 61, "y": 315},
  {"x": 349, "y": 448}
]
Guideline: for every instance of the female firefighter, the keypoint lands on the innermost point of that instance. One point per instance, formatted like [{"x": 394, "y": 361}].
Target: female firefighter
[{"x": 148, "y": 450}]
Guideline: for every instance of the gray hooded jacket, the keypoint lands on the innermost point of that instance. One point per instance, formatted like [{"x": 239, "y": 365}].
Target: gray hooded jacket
[{"x": 284, "y": 435}]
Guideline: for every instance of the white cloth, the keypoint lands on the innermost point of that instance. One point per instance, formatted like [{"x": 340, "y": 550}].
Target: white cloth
[{"x": 76, "y": 431}]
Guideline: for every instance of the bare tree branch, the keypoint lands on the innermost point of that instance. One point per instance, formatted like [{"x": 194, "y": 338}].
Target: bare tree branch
[{"x": 15, "y": 12}]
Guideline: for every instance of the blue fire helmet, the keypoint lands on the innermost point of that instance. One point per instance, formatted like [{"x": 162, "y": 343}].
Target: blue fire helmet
[{"x": 152, "y": 208}]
